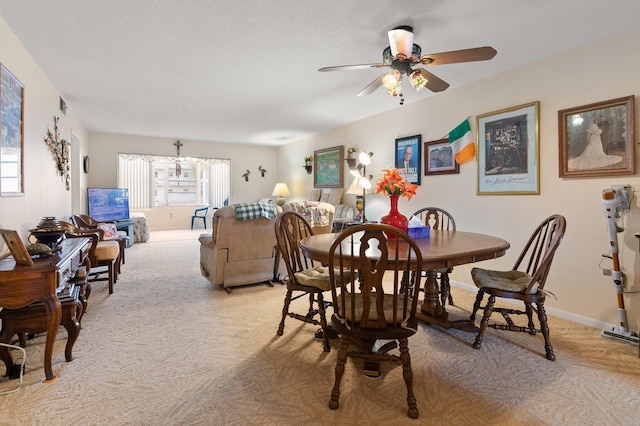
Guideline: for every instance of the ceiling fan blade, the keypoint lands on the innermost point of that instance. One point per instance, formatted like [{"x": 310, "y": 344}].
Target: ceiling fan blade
[
  {"x": 465, "y": 55},
  {"x": 371, "y": 87},
  {"x": 435, "y": 84},
  {"x": 352, "y": 67}
]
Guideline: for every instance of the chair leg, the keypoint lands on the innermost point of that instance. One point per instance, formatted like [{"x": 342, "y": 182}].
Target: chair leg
[
  {"x": 488, "y": 310},
  {"x": 285, "y": 312},
  {"x": 476, "y": 305},
  {"x": 530, "y": 324},
  {"x": 544, "y": 327},
  {"x": 323, "y": 323},
  {"x": 405, "y": 358},
  {"x": 110, "y": 275},
  {"x": 334, "y": 403},
  {"x": 445, "y": 290}
]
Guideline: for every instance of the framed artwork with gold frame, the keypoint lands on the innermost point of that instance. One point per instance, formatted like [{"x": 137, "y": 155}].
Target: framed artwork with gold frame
[
  {"x": 328, "y": 167},
  {"x": 508, "y": 151}
]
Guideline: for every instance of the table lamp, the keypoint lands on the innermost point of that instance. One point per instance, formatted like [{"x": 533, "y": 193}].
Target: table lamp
[{"x": 280, "y": 191}]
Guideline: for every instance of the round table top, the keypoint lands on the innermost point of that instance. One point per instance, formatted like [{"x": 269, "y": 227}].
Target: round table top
[{"x": 443, "y": 249}]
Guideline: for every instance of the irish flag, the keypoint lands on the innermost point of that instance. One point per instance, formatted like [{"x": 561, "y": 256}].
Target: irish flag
[{"x": 462, "y": 143}]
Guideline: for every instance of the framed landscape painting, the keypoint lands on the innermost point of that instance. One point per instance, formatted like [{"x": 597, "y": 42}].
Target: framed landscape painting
[
  {"x": 508, "y": 151},
  {"x": 597, "y": 139},
  {"x": 328, "y": 167}
]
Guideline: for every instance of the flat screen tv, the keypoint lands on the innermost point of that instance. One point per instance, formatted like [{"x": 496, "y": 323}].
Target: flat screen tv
[{"x": 108, "y": 204}]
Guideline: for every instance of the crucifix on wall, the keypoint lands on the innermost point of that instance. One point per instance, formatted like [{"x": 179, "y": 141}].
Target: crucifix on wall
[{"x": 178, "y": 144}]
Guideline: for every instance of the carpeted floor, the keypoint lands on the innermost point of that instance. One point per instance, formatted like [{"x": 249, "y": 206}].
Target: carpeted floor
[{"x": 169, "y": 348}]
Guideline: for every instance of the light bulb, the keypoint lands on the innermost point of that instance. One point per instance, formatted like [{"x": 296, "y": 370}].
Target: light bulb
[
  {"x": 389, "y": 80},
  {"x": 365, "y": 158}
]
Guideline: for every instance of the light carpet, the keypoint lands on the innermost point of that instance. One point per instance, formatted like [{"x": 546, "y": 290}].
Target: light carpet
[{"x": 169, "y": 348}]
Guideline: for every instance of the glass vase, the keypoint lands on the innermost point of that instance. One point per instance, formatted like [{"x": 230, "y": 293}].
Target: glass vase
[{"x": 394, "y": 217}]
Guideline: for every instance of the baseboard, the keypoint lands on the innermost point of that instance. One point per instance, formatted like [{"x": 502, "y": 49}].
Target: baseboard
[{"x": 570, "y": 316}]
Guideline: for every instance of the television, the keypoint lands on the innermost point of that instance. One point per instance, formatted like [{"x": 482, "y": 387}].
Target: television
[{"x": 108, "y": 204}]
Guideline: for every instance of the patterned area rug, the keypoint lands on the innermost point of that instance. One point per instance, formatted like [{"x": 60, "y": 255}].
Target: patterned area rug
[{"x": 169, "y": 348}]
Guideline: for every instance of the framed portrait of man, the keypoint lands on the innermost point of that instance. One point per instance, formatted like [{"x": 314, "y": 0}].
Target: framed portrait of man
[{"x": 407, "y": 158}]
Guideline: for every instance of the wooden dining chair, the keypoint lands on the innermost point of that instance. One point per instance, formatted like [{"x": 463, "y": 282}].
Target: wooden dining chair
[
  {"x": 437, "y": 218},
  {"x": 524, "y": 282},
  {"x": 380, "y": 305},
  {"x": 305, "y": 277}
]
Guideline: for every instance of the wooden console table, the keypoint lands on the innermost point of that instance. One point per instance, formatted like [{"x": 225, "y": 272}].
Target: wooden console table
[{"x": 22, "y": 285}]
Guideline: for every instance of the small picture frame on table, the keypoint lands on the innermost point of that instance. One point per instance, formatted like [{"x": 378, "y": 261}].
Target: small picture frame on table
[
  {"x": 597, "y": 139},
  {"x": 16, "y": 247},
  {"x": 439, "y": 158},
  {"x": 407, "y": 158}
]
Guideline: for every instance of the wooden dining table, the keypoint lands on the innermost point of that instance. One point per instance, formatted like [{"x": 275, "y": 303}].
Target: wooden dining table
[{"x": 442, "y": 249}]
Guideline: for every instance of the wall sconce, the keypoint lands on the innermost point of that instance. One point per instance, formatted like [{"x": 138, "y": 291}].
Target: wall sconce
[
  {"x": 307, "y": 165},
  {"x": 351, "y": 157}
]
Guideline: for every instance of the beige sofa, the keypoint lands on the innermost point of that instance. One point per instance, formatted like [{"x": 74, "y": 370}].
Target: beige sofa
[{"x": 238, "y": 252}]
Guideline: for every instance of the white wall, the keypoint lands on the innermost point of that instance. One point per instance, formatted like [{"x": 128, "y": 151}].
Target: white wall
[
  {"x": 44, "y": 191},
  {"x": 104, "y": 149},
  {"x": 596, "y": 73}
]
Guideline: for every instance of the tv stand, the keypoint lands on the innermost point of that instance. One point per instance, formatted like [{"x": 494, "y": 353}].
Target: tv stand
[{"x": 126, "y": 225}]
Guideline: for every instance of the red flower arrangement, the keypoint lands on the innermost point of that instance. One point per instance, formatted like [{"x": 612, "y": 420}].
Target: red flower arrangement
[{"x": 392, "y": 183}]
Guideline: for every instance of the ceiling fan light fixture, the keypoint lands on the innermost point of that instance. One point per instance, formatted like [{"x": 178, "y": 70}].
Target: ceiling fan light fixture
[
  {"x": 401, "y": 40},
  {"x": 417, "y": 80},
  {"x": 391, "y": 79}
]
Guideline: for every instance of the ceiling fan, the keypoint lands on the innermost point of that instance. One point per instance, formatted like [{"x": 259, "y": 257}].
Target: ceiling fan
[{"x": 402, "y": 54}]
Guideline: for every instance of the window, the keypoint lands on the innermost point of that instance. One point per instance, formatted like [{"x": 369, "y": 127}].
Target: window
[{"x": 166, "y": 181}]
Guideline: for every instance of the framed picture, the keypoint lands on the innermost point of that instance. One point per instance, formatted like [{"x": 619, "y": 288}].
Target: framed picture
[
  {"x": 16, "y": 247},
  {"x": 12, "y": 139},
  {"x": 597, "y": 139},
  {"x": 328, "y": 167},
  {"x": 439, "y": 159},
  {"x": 508, "y": 151},
  {"x": 408, "y": 158}
]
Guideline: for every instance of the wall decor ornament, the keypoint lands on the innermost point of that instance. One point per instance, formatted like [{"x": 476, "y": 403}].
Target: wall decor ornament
[{"x": 60, "y": 150}]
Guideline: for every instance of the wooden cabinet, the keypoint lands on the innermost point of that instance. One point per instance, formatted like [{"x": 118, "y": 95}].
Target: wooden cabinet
[{"x": 22, "y": 285}]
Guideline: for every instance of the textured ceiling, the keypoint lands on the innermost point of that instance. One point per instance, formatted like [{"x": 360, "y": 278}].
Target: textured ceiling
[{"x": 247, "y": 71}]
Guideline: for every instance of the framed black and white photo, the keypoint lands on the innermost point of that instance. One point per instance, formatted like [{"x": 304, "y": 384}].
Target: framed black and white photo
[
  {"x": 508, "y": 151},
  {"x": 439, "y": 159},
  {"x": 407, "y": 158},
  {"x": 597, "y": 139}
]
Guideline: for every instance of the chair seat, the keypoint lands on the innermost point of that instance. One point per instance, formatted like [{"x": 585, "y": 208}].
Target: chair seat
[
  {"x": 513, "y": 281},
  {"x": 318, "y": 277},
  {"x": 107, "y": 250}
]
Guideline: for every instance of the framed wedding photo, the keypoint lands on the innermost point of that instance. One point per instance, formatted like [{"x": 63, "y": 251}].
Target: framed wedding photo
[
  {"x": 439, "y": 159},
  {"x": 508, "y": 151},
  {"x": 597, "y": 139},
  {"x": 328, "y": 167},
  {"x": 408, "y": 154}
]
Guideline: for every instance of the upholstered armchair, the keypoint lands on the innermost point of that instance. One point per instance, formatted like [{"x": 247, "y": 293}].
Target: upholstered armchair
[
  {"x": 239, "y": 252},
  {"x": 319, "y": 214}
]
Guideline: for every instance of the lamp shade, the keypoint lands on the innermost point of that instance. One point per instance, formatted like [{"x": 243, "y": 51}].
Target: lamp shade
[{"x": 280, "y": 190}]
